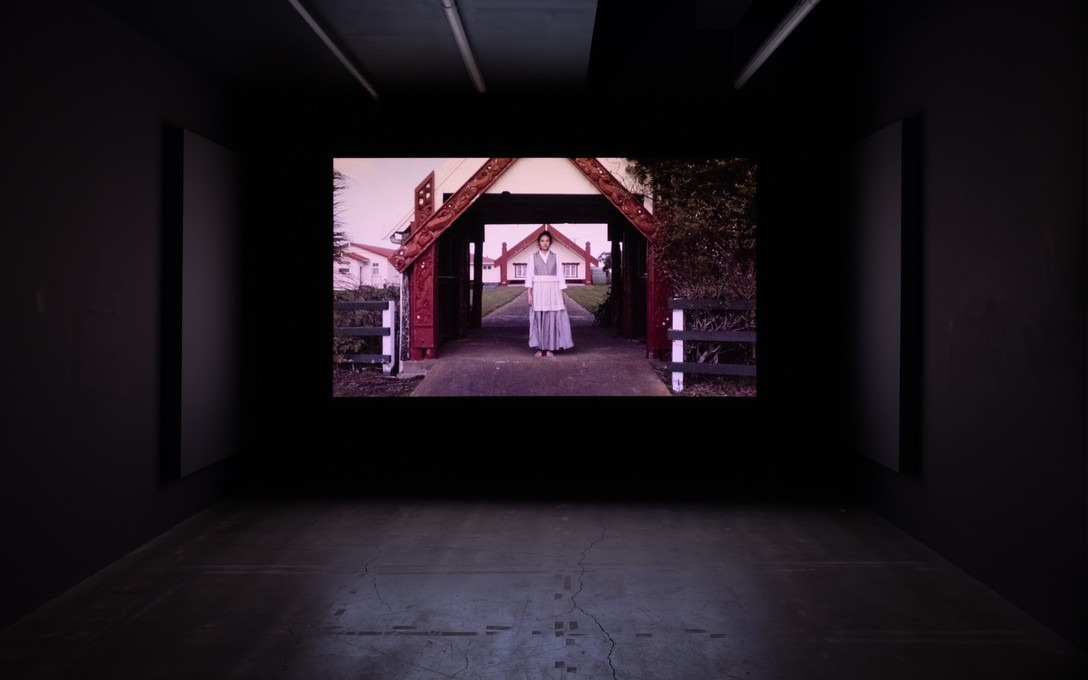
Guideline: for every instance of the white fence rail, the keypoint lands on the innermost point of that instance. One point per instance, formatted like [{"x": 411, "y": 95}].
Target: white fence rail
[
  {"x": 388, "y": 356},
  {"x": 678, "y": 334}
]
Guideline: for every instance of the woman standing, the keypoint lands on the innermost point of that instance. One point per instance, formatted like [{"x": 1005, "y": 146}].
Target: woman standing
[{"x": 549, "y": 323}]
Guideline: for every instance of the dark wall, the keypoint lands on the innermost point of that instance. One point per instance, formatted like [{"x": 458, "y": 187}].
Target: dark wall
[
  {"x": 82, "y": 481},
  {"x": 631, "y": 448},
  {"x": 999, "y": 487}
]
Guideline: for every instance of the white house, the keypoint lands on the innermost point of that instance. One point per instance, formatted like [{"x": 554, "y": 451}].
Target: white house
[
  {"x": 577, "y": 263},
  {"x": 490, "y": 271},
  {"x": 364, "y": 265}
]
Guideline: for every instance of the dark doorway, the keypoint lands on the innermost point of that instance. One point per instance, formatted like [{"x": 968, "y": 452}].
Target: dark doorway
[{"x": 458, "y": 294}]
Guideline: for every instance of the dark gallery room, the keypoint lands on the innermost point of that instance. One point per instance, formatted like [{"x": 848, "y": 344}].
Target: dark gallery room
[{"x": 903, "y": 187}]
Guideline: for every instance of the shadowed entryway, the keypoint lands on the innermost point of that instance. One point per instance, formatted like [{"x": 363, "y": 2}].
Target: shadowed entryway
[{"x": 495, "y": 361}]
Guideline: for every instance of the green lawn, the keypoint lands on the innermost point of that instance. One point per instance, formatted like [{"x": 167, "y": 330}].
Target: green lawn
[
  {"x": 589, "y": 297},
  {"x": 496, "y": 297}
]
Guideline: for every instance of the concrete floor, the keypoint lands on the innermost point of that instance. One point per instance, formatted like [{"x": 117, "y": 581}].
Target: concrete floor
[{"x": 384, "y": 590}]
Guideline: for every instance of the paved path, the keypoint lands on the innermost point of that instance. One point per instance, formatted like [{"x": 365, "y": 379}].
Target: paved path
[{"x": 495, "y": 360}]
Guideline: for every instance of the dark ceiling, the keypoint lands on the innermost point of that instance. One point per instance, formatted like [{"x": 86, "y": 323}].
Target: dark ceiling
[
  {"x": 406, "y": 49},
  {"x": 628, "y": 61}
]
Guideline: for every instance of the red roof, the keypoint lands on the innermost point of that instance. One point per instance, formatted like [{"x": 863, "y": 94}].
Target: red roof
[
  {"x": 348, "y": 255},
  {"x": 531, "y": 239},
  {"x": 384, "y": 252}
]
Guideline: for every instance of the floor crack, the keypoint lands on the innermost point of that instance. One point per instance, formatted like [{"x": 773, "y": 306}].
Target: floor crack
[
  {"x": 574, "y": 598},
  {"x": 374, "y": 581}
]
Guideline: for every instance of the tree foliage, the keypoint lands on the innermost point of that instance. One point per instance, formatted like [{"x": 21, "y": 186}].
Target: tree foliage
[
  {"x": 706, "y": 208},
  {"x": 359, "y": 317},
  {"x": 706, "y": 243},
  {"x": 339, "y": 237}
]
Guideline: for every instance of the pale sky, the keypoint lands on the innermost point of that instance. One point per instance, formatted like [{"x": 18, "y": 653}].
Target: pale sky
[{"x": 379, "y": 192}]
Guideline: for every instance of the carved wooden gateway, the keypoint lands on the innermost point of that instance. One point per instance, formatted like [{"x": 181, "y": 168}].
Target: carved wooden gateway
[{"x": 434, "y": 256}]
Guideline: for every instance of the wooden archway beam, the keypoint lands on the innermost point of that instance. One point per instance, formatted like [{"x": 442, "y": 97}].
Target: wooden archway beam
[
  {"x": 423, "y": 235},
  {"x": 618, "y": 195},
  {"x": 430, "y": 225}
]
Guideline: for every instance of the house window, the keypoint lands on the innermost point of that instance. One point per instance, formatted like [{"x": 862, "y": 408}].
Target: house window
[
  {"x": 375, "y": 270},
  {"x": 570, "y": 270},
  {"x": 519, "y": 270},
  {"x": 343, "y": 270}
]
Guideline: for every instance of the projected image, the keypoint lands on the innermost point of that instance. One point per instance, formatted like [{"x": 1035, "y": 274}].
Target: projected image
[{"x": 578, "y": 277}]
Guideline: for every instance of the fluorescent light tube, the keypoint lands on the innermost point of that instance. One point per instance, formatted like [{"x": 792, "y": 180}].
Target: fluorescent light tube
[
  {"x": 454, "y": 20},
  {"x": 332, "y": 46},
  {"x": 802, "y": 8}
]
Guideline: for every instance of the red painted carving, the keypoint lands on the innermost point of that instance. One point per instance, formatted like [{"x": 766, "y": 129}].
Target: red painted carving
[
  {"x": 417, "y": 251},
  {"x": 618, "y": 195},
  {"x": 426, "y": 231},
  {"x": 425, "y": 199},
  {"x": 422, "y": 284},
  {"x": 658, "y": 316}
]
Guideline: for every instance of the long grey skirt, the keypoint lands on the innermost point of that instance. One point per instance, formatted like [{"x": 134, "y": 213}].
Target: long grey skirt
[{"x": 550, "y": 330}]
